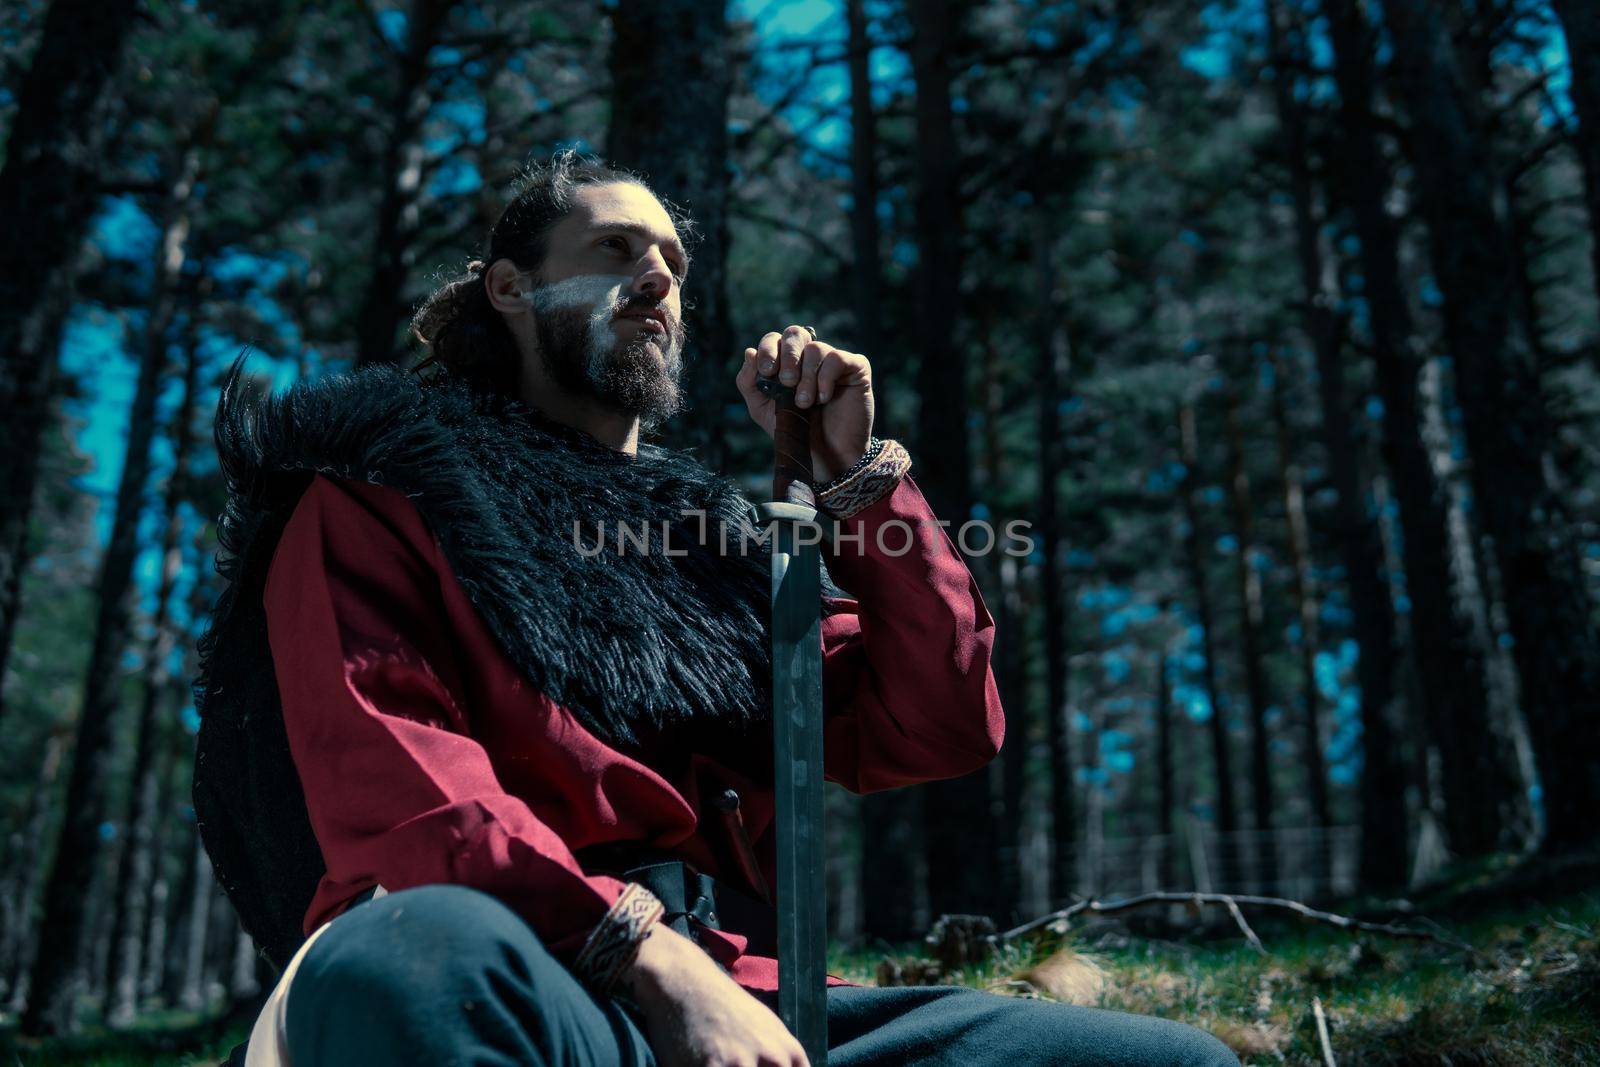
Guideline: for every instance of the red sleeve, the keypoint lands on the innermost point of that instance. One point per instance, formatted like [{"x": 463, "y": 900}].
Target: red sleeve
[
  {"x": 398, "y": 793},
  {"x": 908, "y": 690}
]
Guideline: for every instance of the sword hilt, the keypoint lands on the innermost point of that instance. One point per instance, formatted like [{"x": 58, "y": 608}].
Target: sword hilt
[{"x": 791, "y": 440}]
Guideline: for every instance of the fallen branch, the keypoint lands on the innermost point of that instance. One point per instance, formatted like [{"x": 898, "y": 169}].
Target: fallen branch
[
  {"x": 1244, "y": 927},
  {"x": 1233, "y": 903}
]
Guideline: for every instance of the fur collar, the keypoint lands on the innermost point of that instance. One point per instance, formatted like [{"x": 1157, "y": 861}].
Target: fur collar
[{"x": 659, "y": 655}]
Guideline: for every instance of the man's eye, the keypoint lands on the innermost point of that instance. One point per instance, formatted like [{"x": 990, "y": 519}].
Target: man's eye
[{"x": 617, "y": 243}]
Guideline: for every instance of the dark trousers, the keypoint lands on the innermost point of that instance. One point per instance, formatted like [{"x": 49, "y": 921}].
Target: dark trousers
[{"x": 447, "y": 975}]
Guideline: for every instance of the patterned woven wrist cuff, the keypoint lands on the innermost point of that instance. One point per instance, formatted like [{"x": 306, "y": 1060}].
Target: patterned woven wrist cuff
[
  {"x": 860, "y": 488},
  {"x": 614, "y": 944}
]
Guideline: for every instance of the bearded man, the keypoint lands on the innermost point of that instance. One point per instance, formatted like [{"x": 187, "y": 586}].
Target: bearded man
[{"x": 488, "y": 796}]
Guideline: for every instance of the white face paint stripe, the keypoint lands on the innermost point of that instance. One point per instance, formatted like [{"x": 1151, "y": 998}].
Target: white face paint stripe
[{"x": 602, "y": 294}]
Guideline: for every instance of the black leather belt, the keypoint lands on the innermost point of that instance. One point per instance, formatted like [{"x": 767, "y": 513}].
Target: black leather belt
[{"x": 692, "y": 898}]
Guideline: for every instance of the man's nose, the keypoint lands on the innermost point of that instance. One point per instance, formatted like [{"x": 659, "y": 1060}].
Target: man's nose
[{"x": 654, "y": 277}]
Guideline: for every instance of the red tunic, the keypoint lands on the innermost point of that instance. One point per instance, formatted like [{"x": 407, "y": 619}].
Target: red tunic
[{"x": 426, "y": 757}]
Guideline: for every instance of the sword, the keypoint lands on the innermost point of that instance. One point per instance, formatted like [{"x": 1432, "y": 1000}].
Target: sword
[{"x": 797, "y": 728}]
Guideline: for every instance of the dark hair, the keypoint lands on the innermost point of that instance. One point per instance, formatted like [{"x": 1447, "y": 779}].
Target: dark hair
[{"x": 460, "y": 328}]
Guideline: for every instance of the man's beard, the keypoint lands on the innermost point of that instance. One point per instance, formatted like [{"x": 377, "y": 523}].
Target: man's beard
[{"x": 573, "y": 319}]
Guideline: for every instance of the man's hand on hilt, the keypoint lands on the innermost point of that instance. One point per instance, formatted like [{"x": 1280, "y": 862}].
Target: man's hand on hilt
[
  {"x": 697, "y": 1016},
  {"x": 832, "y": 386}
]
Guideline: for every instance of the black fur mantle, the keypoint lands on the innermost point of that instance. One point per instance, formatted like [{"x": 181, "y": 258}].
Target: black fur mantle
[{"x": 657, "y": 655}]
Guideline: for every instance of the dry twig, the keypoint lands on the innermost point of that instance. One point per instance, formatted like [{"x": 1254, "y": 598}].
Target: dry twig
[
  {"x": 1322, "y": 1033},
  {"x": 1244, "y": 927},
  {"x": 1059, "y": 919}
]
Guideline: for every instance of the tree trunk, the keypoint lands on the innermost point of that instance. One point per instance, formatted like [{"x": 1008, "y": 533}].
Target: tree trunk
[
  {"x": 158, "y": 898},
  {"x": 1580, "y": 21},
  {"x": 1227, "y": 819},
  {"x": 1250, "y": 623},
  {"x": 1305, "y": 595},
  {"x": 196, "y": 921},
  {"x": 1508, "y": 429},
  {"x": 1454, "y": 696},
  {"x": 135, "y": 870},
  {"x": 956, "y": 812},
  {"x": 27, "y": 870},
  {"x": 866, "y": 281},
  {"x": 49, "y": 186},
  {"x": 1054, "y": 374},
  {"x": 62, "y": 931},
  {"x": 678, "y": 138},
  {"x": 1383, "y": 856},
  {"x": 378, "y": 325},
  {"x": 1166, "y": 774},
  {"x": 887, "y": 819}
]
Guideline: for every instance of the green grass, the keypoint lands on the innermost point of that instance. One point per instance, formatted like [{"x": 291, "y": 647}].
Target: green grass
[
  {"x": 163, "y": 1039},
  {"x": 1531, "y": 997}
]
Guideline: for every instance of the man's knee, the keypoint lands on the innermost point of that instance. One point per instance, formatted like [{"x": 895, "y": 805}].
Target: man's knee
[
  {"x": 400, "y": 968},
  {"x": 1116, "y": 1037}
]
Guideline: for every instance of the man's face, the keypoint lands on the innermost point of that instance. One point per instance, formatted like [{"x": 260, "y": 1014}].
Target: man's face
[{"x": 608, "y": 307}]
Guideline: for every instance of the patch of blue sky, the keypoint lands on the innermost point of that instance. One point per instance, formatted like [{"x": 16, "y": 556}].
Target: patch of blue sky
[
  {"x": 1103, "y": 596},
  {"x": 1212, "y": 494},
  {"x": 1114, "y": 740},
  {"x": 1334, "y": 614},
  {"x": 93, "y": 351},
  {"x": 1081, "y": 722},
  {"x": 465, "y": 114},
  {"x": 1119, "y": 762},
  {"x": 1227, "y": 544},
  {"x": 1193, "y": 701},
  {"x": 455, "y": 177},
  {"x": 1116, "y": 667},
  {"x": 1227, "y": 25},
  {"x": 123, "y": 231},
  {"x": 392, "y": 24},
  {"x": 1326, "y": 668}
]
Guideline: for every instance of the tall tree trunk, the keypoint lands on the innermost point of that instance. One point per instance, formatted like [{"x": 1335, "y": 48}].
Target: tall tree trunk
[
  {"x": 1383, "y": 849},
  {"x": 382, "y": 314},
  {"x": 956, "y": 812},
  {"x": 1305, "y": 595},
  {"x": 892, "y": 841},
  {"x": 866, "y": 280},
  {"x": 1580, "y": 20},
  {"x": 135, "y": 870},
  {"x": 196, "y": 922},
  {"x": 1254, "y": 656},
  {"x": 679, "y": 139},
  {"x": 158, "y": 898},
  {"x": 26, "y": 860},
  {"x": 1323, "y": 328},
  {"x": 1227, "y": 817},
  {"x": 1054, "y": 375},
  {"x": 1455, "y": 697},
  {"x": 49, "y": 184},
  {"x": 1508, "y": 429},
  {"x": 1166, "y": 773},
  {"x": 50, "y": 1009}
]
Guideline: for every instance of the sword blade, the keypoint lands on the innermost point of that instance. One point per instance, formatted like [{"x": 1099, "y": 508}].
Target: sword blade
[{"x": 797, "y": 748}]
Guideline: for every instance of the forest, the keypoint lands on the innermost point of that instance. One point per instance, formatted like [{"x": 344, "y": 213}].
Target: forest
[{"x": 1277, "y": 322}]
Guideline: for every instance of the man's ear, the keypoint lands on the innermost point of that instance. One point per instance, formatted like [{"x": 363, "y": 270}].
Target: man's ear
[{"x": 508, "y": 291}]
